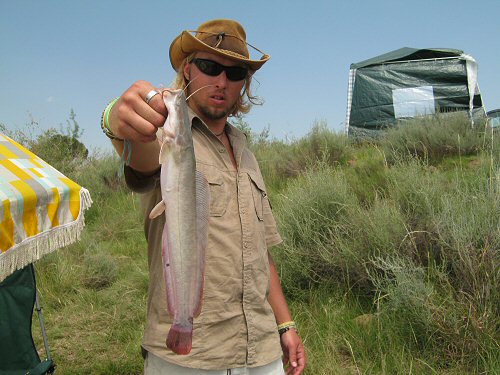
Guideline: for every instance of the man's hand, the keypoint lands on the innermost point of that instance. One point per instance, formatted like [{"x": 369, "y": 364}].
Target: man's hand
[
  {"x": 294, "y": 354},
  {"x": 134, "y": 119}
]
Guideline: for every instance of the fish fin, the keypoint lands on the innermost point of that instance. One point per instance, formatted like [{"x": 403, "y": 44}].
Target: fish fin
[
  {"x": 167, "y": 274},
  {"x": 180, "y": 339},
  {"x": 165, "y": 147},
  {"x": 157, "y": 210},
  {"x": 202, "y": 217},
  {"x": 202, "y": 209},
  {"x": 168, "y": 138}
]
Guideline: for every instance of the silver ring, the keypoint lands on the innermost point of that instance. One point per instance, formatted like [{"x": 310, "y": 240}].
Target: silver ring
[{"x": 150, "y": 95}]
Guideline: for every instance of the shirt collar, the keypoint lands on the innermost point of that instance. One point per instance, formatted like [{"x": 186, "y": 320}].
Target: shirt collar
[{"x": 230, "y": 129}]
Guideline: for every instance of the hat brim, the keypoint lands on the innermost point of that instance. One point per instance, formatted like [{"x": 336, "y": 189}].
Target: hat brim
[{"x": 186, "y": 43}]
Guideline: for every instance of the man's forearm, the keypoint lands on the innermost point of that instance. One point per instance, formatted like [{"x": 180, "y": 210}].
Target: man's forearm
[
  {"x": 276, "y": 297},
  {"x": 144, "y": 157}
]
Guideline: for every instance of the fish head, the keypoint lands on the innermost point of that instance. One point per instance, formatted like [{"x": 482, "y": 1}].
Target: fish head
[
  {"x": 177, "y": 128},
  {"x": 178, "y": 119}
]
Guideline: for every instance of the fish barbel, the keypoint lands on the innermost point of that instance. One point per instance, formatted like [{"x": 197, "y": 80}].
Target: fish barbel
[{"x": 185, "y": 202}]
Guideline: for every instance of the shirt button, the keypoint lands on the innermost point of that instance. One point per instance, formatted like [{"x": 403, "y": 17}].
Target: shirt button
[
  {"x": 245, "y": 244},
  {"x": 221, "y": 150}
]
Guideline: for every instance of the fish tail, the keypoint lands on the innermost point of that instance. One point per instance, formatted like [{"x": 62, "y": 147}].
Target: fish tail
[{"x": 180, "y": 339}]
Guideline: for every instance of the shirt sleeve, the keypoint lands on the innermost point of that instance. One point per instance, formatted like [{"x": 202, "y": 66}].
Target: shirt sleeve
[
  {"x": 139, "y": 182},
  {"x": 273, "y": 237}
]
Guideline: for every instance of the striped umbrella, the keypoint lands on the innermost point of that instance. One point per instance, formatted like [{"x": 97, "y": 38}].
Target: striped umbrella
[{"x": 41, "y": 210}]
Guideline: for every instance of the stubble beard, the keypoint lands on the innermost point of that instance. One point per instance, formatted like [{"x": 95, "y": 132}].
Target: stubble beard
[
  {"x": 209, "y": 112},
  {"x": 213, "y": 114}
]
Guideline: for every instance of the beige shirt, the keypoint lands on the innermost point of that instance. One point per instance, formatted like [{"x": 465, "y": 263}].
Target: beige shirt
[{"x": 236, "y": 326}]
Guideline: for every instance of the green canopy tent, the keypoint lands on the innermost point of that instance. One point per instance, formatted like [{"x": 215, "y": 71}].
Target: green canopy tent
[
  {"x": 408, "y": 83},
  {"x": 494, "y": 118}
]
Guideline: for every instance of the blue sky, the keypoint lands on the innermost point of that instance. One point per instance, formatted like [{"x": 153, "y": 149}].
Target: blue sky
[{"x": 61, "y": 55}]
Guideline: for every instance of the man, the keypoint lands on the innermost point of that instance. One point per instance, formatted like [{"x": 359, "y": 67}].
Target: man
[{"x": 243, "y": 305}]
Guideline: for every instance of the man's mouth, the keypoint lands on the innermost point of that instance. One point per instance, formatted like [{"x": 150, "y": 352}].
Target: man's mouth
[{"x": 218, "y": 98}]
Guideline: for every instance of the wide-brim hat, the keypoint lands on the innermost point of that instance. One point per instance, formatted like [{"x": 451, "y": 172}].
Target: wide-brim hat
[{"x": 222, "y": 37}]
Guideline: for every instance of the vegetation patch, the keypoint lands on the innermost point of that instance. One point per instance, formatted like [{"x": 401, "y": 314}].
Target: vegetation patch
[{"x": 390, "y": 260}]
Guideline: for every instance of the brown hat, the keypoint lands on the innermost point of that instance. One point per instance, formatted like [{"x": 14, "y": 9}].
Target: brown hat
[{"x": 222, "y": 37}]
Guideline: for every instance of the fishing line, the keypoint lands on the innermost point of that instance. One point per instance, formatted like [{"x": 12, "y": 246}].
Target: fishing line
[
  {"x": 189, "y": 82},
  {"x": 201, "y": 88}
]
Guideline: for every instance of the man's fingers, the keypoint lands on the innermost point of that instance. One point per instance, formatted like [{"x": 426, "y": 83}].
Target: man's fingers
[
  {"x": 285, "y": 359},
  {"x": 301, "y": 359},
  {"x": 131, "y": 125},
  {"x": 157, "y": 103},
  {"x": 150, "y": 114},
  {"x": 294, "y": 355},
  {"x": 289, "y": 360},
  {"x": 132, "y": 118},
  {"x": 129, "y": 132},
  {"x": 150, "y": 95},
  {"x": 141, "y": 129},
  {"x": 293, "y": 363}
]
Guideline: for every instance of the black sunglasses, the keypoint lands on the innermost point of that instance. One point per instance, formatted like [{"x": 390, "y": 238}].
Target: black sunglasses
[{"x": 212, "y": 68}]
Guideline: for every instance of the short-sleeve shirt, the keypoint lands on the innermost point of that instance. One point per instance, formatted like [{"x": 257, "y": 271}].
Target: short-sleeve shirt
[{"x": 237, "y": 326}]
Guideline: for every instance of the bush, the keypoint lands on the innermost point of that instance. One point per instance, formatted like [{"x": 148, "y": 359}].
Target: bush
[
  {"x": 435, "y": 137},
  {"x": 308, "y": 212},
  {"x": 60, "y": 148},
  {"x": 281, "y": 161},
  {"x": 420, "y": 240}
]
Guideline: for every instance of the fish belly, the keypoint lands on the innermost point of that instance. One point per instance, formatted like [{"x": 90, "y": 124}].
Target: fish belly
[{"x": 183, "y": 247}]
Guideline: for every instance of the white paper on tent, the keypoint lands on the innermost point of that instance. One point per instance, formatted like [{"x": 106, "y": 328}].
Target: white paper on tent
[{"x": 413, "y": 101}]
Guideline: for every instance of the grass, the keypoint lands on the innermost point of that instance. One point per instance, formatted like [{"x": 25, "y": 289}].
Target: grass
[
  {"x": 94, "y": 294},
  {"x": 390, "y": 261}
]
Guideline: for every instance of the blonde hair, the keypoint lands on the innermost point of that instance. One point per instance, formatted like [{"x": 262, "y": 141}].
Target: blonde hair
[{"x": 245, "y": 101}]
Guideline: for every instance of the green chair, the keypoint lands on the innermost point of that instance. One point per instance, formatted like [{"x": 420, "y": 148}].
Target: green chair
[{"x": 18, "y": 354}]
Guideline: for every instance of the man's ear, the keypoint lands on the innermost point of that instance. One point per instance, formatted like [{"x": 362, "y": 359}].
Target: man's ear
[{"x": 187, "y": 71}]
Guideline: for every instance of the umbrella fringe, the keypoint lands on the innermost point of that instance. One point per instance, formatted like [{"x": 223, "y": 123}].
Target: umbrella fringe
[{"x": 35, "y": 247}]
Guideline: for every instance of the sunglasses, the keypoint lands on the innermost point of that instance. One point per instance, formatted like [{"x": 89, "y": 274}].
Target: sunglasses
[{"x": 212, "y": 68}]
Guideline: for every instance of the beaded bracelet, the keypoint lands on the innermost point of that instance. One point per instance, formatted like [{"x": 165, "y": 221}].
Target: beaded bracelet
[
  {"x": 286, "y": 329},
  {"x": 105, "y": 121},
  {"x": 286, "y": 326}
]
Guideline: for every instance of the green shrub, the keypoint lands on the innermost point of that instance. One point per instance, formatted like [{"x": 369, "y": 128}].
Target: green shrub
[
  {"x": 281, "y": 161},
  {"x": 435, "y": 137},
  {"x": 420, "y": 240},
  {"x": 308, "y": 212},
  {"x": 367, "y": 175}
]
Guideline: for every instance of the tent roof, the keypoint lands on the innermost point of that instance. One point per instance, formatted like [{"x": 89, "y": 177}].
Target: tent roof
[
  {"x": 407, "y": 53},
  {"x": 494, "y": 113}
]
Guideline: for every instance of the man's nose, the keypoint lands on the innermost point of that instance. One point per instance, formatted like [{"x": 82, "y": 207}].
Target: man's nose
[{"x": 221, "y": 80}]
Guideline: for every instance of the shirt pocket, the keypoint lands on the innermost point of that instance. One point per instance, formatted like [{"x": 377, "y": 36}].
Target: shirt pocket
[
  {"x": 259, "y": 194},
  {"x": 218, "y": 195}
]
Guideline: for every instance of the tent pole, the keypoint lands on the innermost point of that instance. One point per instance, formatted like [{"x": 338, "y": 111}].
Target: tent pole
[{"x": 38, "y": 308}]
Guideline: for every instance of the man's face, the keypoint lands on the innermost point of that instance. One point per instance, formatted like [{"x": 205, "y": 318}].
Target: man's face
[{"x": 214, "y": 102}]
